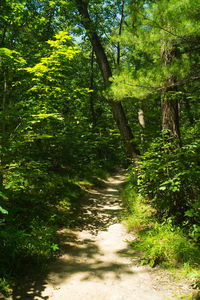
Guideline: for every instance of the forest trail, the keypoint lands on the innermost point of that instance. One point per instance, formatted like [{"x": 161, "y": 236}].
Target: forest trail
[{"x": 92, "y": 266}]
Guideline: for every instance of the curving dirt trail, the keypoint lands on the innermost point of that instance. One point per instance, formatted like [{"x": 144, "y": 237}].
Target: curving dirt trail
[{"x": 92, "y": 266}]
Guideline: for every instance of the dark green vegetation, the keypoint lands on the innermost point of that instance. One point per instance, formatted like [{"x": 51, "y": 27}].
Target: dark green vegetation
[{"x": 87, "y": 86}]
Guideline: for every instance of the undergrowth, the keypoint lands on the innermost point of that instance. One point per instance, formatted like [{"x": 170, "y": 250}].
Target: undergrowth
[
  {"x": 32, "y": 214},
  {"x": 159, "y": 242}
]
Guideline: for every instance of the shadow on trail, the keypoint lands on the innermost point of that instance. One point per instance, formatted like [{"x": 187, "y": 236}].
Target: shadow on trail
[
  {"x": 29, "y": 289},
  {"x": 81, "y": 255},
  {"x": 102, "y": 207},
  {"x": 84, "y": 258}
]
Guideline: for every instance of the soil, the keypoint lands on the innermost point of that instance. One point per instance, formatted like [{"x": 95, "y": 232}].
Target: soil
[{"x": 93, "y": 264}]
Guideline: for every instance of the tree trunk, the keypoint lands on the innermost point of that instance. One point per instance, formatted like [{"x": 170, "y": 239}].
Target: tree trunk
[
  {"x": 141, "y": 118},
  {"x": 170, "y": 118},
  {"x": 3, "y": 128},
  {"x": 91, "y": 88},
  {"x": 125, "y": 131},
  {"x": 120, "y": 32},
  {"x": 104, "y": 66},
  {"x": 170, "y": 114},
  {"x": 169, "y": 101},
  {"x": 142, "y": 123}
]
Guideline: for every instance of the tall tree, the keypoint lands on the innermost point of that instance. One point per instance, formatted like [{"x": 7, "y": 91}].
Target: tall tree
[
  {"x": 169, "y": 100},
  {"x": 118, "y": 112},
  {"x": 158, "y": 60}
]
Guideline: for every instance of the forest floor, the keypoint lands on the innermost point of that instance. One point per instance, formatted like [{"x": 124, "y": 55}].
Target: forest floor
[{"x": 92, "y": 266}]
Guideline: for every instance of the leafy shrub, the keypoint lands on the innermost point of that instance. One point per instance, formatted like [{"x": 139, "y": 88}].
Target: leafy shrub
[
  {"x": 20, "y": 249},
  {"x": 161, "y": 243},
  {"x": 192, "y": 222},
  {"x": 35, "y": 245},
  {"x": 169, "y": 175}
]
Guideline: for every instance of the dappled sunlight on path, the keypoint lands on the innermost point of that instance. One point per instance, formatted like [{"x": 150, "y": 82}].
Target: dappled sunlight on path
[{"x": 92, "y": 264}]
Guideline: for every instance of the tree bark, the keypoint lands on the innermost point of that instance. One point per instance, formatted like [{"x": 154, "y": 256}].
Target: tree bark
[
  {"x": 120, "y": 32},
  {"x": 169, "y": 101},
  {"x": 141, "y": 118},
  {"x": 170, "y": 115},
  {"x": 3, "y": 127},
  {"x": 104, "y": 66},
  {"x": 142, "y": 123},
  {"x": 92, "y": 88}
]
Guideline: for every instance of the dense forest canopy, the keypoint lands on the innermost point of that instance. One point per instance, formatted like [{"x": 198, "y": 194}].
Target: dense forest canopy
[{"x": 87, "y": 86}]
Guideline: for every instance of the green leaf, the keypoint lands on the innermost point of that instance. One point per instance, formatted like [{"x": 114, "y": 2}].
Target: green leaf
[
  {"x": 3, "y": 196},
  {"x": 162, "y": 188},
  {"x": 3, "y": 211},
  {"x": 54, "y": 247}
]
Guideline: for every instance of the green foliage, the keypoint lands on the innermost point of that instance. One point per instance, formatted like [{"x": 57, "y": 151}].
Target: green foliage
[
  {"x": 10, "y": 58},
  {"x": 166, "y": 245},
  {"x": 3, "y": 211},
  {"x": 160, "y": 243},
  {"x": 155, "y": 27},
  {"x": 58, "y": 134},
  {"x": 4, "y": 285},
  {"x": 138, "y": 212},
  {"x": 49, "y": 144},
  {"x": 170, "y": 176},
  {"x": 192, "y": 221},
  {"x": 30, "y": 247},
  {"x": 37, "y": 208},
  {"x": 50, "y": 149}
]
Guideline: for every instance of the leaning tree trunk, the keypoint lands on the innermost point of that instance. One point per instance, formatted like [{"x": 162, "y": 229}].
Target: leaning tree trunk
[{"x": 104, "y": 66}]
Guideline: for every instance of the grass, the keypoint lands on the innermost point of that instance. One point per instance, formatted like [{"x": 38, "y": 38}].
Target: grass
[
  {"x": 166, "y": 245},
  {"x": 161, "y": 244},
  {"x": 139, "y": 214}
]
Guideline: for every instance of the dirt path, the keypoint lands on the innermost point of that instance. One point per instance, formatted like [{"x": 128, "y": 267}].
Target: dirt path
[{"x": 92, "y": 266}]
